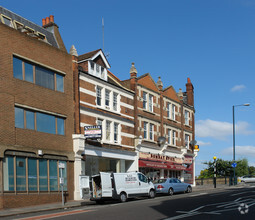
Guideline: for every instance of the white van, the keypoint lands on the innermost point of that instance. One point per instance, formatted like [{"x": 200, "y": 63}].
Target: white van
[{"x": 120, "y": 186}]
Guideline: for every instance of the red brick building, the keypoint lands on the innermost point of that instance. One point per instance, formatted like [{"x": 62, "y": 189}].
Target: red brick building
[
  {"x": 101, "y": 100},
  {"x": 36, "y": 112},
  {"x": 164, "y": 127}
]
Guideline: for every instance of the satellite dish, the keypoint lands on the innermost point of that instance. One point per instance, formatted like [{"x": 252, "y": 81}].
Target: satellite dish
[
  {"x": 193, "y": 142},
  {"x": 161, "y": 141}
]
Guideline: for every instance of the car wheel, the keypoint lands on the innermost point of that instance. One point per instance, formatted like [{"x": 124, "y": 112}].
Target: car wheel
[
  {"x": 152, "y": 194},
  {"x": 189, "y": 189},
  {"x": 123, "y": 197},
  {"x": 170, "y": 192}
]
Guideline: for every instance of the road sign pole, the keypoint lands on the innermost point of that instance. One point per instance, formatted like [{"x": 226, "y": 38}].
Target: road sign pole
[
  {"x": 61, "y": 176},
  {"x": 61, "y": 181}
]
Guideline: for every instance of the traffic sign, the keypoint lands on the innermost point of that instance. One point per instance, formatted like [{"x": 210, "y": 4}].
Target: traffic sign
[
  {"x": 61, "y": 165},
  {"x": 234, "y": 164}
]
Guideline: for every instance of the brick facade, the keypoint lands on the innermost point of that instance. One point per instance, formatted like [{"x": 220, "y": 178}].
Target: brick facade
[
  {"x": 14, "y": 92},
  {"x": 163, "y": 113}
]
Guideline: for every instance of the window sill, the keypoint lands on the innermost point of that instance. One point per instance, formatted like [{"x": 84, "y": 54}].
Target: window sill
[
  {"x": 172, "y": 146},
  {"x": 145, "y": 110},
  {"x": 111, "y": 142},
  {"x": 172, "y": 120},
  {"x": 108, "y": 109},
  {"x": 151, "y": 141}
]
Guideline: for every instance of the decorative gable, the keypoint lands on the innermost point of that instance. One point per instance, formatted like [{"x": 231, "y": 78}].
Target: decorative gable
[
  {"x": 148, "y": 82},
  {"x": 171, "y": 93}
]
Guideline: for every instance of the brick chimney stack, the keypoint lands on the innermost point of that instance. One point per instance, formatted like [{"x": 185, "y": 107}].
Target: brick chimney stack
[
  {"x": 49, "y": 24},
  {"x": 48, "y": 20},
  {"x": 190, "y": 93}
]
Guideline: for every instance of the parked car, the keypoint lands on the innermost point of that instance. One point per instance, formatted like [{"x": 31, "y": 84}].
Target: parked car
[
  {"x": 171, "y": 185},
  {"x": 246, "y": 179}
]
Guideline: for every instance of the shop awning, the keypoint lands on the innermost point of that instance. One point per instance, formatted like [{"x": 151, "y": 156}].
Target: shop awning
[
  {"x": 172, "y": 166},
  {"x": 152, "y": 164},
  {"x": 180, "y": 167}
]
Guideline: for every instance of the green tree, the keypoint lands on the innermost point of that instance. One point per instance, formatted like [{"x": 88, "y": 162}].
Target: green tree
[
  {"x": 252, "y": 170},
  {"x": 204, "y": 174},
  {"x": 224, "y": 168},
  {"x": 242, "y": 167}
]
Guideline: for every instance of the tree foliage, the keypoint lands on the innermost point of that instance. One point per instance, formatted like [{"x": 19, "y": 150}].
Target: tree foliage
[{"x": 224, "y": 168}]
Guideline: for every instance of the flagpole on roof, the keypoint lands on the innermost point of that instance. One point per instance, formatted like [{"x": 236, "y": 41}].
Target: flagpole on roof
[{"x": 103, "y": 31}]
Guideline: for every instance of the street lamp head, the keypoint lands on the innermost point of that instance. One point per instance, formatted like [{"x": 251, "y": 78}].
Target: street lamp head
[
  {"x": 214, "y": 158},
  {"x": 245, "y": 104}
]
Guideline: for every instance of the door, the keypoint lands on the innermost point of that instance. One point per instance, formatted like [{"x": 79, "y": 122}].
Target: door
[
  {"x": 176, "y": 185},
  {"x": 106, "y": 184},
  {"x": 143, "y": 184},
  {"x": 181, "y": 186}
]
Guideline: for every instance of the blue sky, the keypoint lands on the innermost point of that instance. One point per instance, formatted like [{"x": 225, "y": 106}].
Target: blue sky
[{"x": 211, "y": 42}]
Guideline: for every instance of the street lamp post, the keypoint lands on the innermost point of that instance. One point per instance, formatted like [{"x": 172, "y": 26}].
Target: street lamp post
[{"x": 234, "y": 150}]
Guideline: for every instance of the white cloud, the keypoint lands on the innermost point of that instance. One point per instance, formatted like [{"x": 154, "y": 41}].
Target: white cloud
[
  {"x": 238, "y": 88},
  {"x": 221, "y": 130},
  {"x": 243, "y": 151},
  {"x": 202, "y": 143}
]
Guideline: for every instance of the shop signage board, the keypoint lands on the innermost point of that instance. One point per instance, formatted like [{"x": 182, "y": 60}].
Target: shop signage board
[
  {"x": 188, "y": 160},
  {"x": 93, "y": 132},
  {"x": 157, "y": 157}
]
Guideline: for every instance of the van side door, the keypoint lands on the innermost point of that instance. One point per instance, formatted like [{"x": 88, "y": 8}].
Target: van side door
[
  {"x": 106, "y": 184},
  {"x": 143, "y": 183}
]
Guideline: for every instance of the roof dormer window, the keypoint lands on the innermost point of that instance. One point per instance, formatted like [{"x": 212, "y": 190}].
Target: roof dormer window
[
  {"x": 6, "y": 20},
  {"x": 19, "y": 26},
  {"x": 97, "y": 70}
]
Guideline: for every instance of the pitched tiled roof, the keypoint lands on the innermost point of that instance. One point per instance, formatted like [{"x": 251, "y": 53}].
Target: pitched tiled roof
[{"x": 87, "y": 55}]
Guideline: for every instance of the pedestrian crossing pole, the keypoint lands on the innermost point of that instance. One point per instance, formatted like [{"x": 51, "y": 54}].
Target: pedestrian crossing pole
[{"x": 214, "y": 175}]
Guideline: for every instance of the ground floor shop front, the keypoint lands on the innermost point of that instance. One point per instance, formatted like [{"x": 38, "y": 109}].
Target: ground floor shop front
[
  {"x": 28, "y": 178},
  {"x": 156, "y": 166},
  {"x": 91, "y": 159}
]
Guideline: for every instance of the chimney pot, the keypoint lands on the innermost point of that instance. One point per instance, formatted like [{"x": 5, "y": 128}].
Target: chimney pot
[
  {"x": 52, "y": 18},
  {"x": 47, "y": 20},
  {"x": 43, "y": 21}
]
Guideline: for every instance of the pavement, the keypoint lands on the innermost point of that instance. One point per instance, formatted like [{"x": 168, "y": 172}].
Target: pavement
[{"x": 86, "y": 202}]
